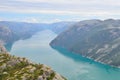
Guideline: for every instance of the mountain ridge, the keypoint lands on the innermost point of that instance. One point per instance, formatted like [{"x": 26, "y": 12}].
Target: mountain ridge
[
  {"x": 94, "y": 39},
  {"x": 13, "y": 31}
]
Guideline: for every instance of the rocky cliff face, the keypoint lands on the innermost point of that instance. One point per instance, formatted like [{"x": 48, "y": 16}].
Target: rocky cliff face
[
  {"x": 5, "y": 35},
  {"x": 19, "y": 30},
  {"x": 94, "y": 39},
  {"x": 16, "y": 68}
]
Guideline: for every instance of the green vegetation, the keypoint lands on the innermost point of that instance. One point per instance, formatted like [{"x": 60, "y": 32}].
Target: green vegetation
[
  {"x": 52, "y": 75},
  {"x": 16, "y": 68}
]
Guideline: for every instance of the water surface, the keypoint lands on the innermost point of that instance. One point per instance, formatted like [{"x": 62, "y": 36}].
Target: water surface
[{"x": 70, "y": 65}]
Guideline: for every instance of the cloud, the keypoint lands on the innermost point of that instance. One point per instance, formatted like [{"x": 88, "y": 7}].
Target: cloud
[
  {"x": 75, "y": 8},
  {"x": 61, "y": 6},
  {"x": 30, "y": 20}
]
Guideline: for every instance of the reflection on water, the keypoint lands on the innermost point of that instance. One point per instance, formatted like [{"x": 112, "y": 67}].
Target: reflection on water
[
  {"x": 78, "y": 58},
  {"x": 70, "y": 65}
]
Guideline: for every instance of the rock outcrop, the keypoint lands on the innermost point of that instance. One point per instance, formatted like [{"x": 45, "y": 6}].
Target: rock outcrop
[
  {"x": 16, "y": 68},
  {"x": 2, "y": 48}
]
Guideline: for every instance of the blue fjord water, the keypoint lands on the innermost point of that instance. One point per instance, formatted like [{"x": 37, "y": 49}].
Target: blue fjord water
[{"x": 70, "y": 65}]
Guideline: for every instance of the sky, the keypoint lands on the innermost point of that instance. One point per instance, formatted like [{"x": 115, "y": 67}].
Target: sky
[{"x": 48, "y": 11}]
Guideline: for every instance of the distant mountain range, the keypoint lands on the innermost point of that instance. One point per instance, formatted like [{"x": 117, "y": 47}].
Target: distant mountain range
[
  {"x": 13, "y": 31},
  {"x": 95, "y": 39}
]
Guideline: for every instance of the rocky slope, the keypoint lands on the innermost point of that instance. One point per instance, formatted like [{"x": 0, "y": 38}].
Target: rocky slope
[
  {"x": 21, "y": 30},
  {"x": 16, "y": 68},
  {"x": 5, "y": 34},
  {"x": 94, "y": 39},
  {"x": 13, "y": 31}
]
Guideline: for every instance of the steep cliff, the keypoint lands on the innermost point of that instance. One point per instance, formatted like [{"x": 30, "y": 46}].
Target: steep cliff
[{"x": 94, "y": 39}]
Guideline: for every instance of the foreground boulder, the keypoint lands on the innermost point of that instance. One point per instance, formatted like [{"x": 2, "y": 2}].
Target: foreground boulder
[{"x": 16, "y": 68}]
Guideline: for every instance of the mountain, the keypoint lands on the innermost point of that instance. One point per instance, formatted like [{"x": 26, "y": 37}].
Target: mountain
[
  {"x": 13, "y": 31},
  {"x": 5, "y": 35},
  {"x": 95, "y": 39},
  {"x": 22, "y": 30},
  {"x": 59, "y": 27}
]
